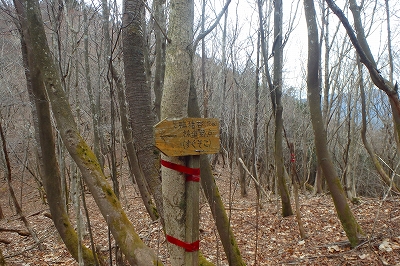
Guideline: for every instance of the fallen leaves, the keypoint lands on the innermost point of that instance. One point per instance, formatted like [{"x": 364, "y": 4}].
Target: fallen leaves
[
  {"x": 388, "y": 246},
  {"x": 334, "y": 248},
  {"x": 266, "y": 239}
]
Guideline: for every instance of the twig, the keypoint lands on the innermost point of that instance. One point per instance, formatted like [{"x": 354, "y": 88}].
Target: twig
[
  {"x": 45, "y": 237},
  {"x": 255, "y": 180},
  {"x": 18, "y": 231},
  {"x": 395, "y": 218},
  {"x": 340, "y": 254},
  {"x": 255, "y": 226},
  {"x": 155, "y": 20},
  {"x": 384, "y": 198},
  {"x": 30, "y": 215},
  {"x": 5, "y": 241},
  {"x": 11, "y": 190}
]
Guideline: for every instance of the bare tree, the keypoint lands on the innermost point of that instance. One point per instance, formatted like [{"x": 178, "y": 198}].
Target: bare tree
[
  {"x": 159, "y": 29},
  {"x": 122, "y": 229},
  {"x": 174, "y": 105},
  {"x": 275, "y": 88},
  {"x": 138, "y": 95},
  {"x": 17, "y": 206},
  {"x": 349, "y": 223},
  {"x": 47, "y": 154},
  {"x": 213, "y": 196},
  {"x": 364, "y": 52},
  {"x": 94, "y": 103}
]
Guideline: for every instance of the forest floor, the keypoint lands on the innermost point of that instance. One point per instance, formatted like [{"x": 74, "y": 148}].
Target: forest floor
[{"x": 276, "y": 242}]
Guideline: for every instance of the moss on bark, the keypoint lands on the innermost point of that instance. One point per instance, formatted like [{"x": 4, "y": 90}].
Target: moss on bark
[
  {"x": 343, "y": 210},
  {"x": 136, "y": 252}
]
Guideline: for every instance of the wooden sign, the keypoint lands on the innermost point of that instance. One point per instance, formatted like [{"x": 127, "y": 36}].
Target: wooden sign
[{"x": 187, "y": 136}]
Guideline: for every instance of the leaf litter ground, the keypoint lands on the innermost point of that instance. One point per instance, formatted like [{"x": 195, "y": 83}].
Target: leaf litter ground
[{"x": 263, "y": 236}]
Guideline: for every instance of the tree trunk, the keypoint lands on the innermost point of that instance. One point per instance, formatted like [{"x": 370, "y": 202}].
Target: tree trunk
[
  {"x": 325, "y": 110},
  {"x": 51, "y": 174},
  {"x": 134, "y": 167},
  {"x": 138, "y": 95},
  {"x": 276, "y": 93},
  {"x": 349, "y": 223},
  {"x": 375, "y": 160},
  {"x": 319, "y": 181},
  {"x": 255, "y": 121},
  {"x": 174, "y": 105},
  {"x": 349, "y": 162},
  {"x": 364, "y": 52},
  {"x": 213, "y": 197},
  {"x": 159, "y": 6},
  {"x": 224, "y": 73},
  {"x": 17, "y": 206},
  {"x": 242, "y": 176},
  {"x": 389, "y": 40},
  {"x": 203, "y": 61},
  {"x": 296, "y": 184},
  {"x": 95, "y": 110},
  {"x": 136, "y": 252},
  {"x": 277, "y": 90}
]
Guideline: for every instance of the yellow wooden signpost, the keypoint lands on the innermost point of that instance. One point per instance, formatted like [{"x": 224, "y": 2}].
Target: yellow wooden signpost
[
  {"x": 187, "y": 136},
  {"x": 183, "y": 137}
]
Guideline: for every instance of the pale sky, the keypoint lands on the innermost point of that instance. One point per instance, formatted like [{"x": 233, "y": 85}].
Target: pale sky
[{"x": 295, "y": 51}]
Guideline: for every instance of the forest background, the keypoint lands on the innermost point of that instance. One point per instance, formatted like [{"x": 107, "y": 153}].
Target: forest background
[{"x": 288, "y": 121}]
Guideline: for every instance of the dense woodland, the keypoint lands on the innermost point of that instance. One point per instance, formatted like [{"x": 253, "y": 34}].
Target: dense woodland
[{"x": 309, "y": 112}]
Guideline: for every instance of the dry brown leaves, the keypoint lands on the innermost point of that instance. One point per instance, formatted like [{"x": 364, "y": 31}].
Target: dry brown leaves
[{"x": 276, "y": 242}]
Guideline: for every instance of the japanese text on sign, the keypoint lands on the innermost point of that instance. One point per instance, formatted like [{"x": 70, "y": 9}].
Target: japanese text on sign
[{"x": 188, "y": 136}]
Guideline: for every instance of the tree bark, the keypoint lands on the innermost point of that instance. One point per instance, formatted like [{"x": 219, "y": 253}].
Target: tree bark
[
  {"x": 159, "y": 73},
  {"x": 277, "y": 90},
  {"x": 138, "y": 95},
  {"x": 46, "y": 147},
  {"x": 378, "y": 166},
  {"x": 174, "y": 105},
  {"x": 134, "y": 167},
  {"x": 349, "y": 223},
  {"x": 319, "y": 181},
  {"x": 275, "y": 94},
  {"x": 213, "y": 197},
  {"x": 136, "y": 252}
]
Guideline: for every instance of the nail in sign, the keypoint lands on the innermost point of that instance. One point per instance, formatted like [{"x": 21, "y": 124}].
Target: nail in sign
[{"x": 187, "y": 136}]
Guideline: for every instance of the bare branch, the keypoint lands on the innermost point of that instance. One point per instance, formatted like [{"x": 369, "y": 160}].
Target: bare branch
[
  {"x": 254, "y": 179},
  {"x": 378, "y": 80},
  {"x": 155, "y": 20},
  {"x": 217, "y": 19}
]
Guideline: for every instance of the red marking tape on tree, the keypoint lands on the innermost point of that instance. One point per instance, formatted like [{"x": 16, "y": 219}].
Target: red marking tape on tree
[
  {"x": 192, "y": 174},
  {"x": 189, "y": 247},
  {"x": 292, "y": 157}
]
